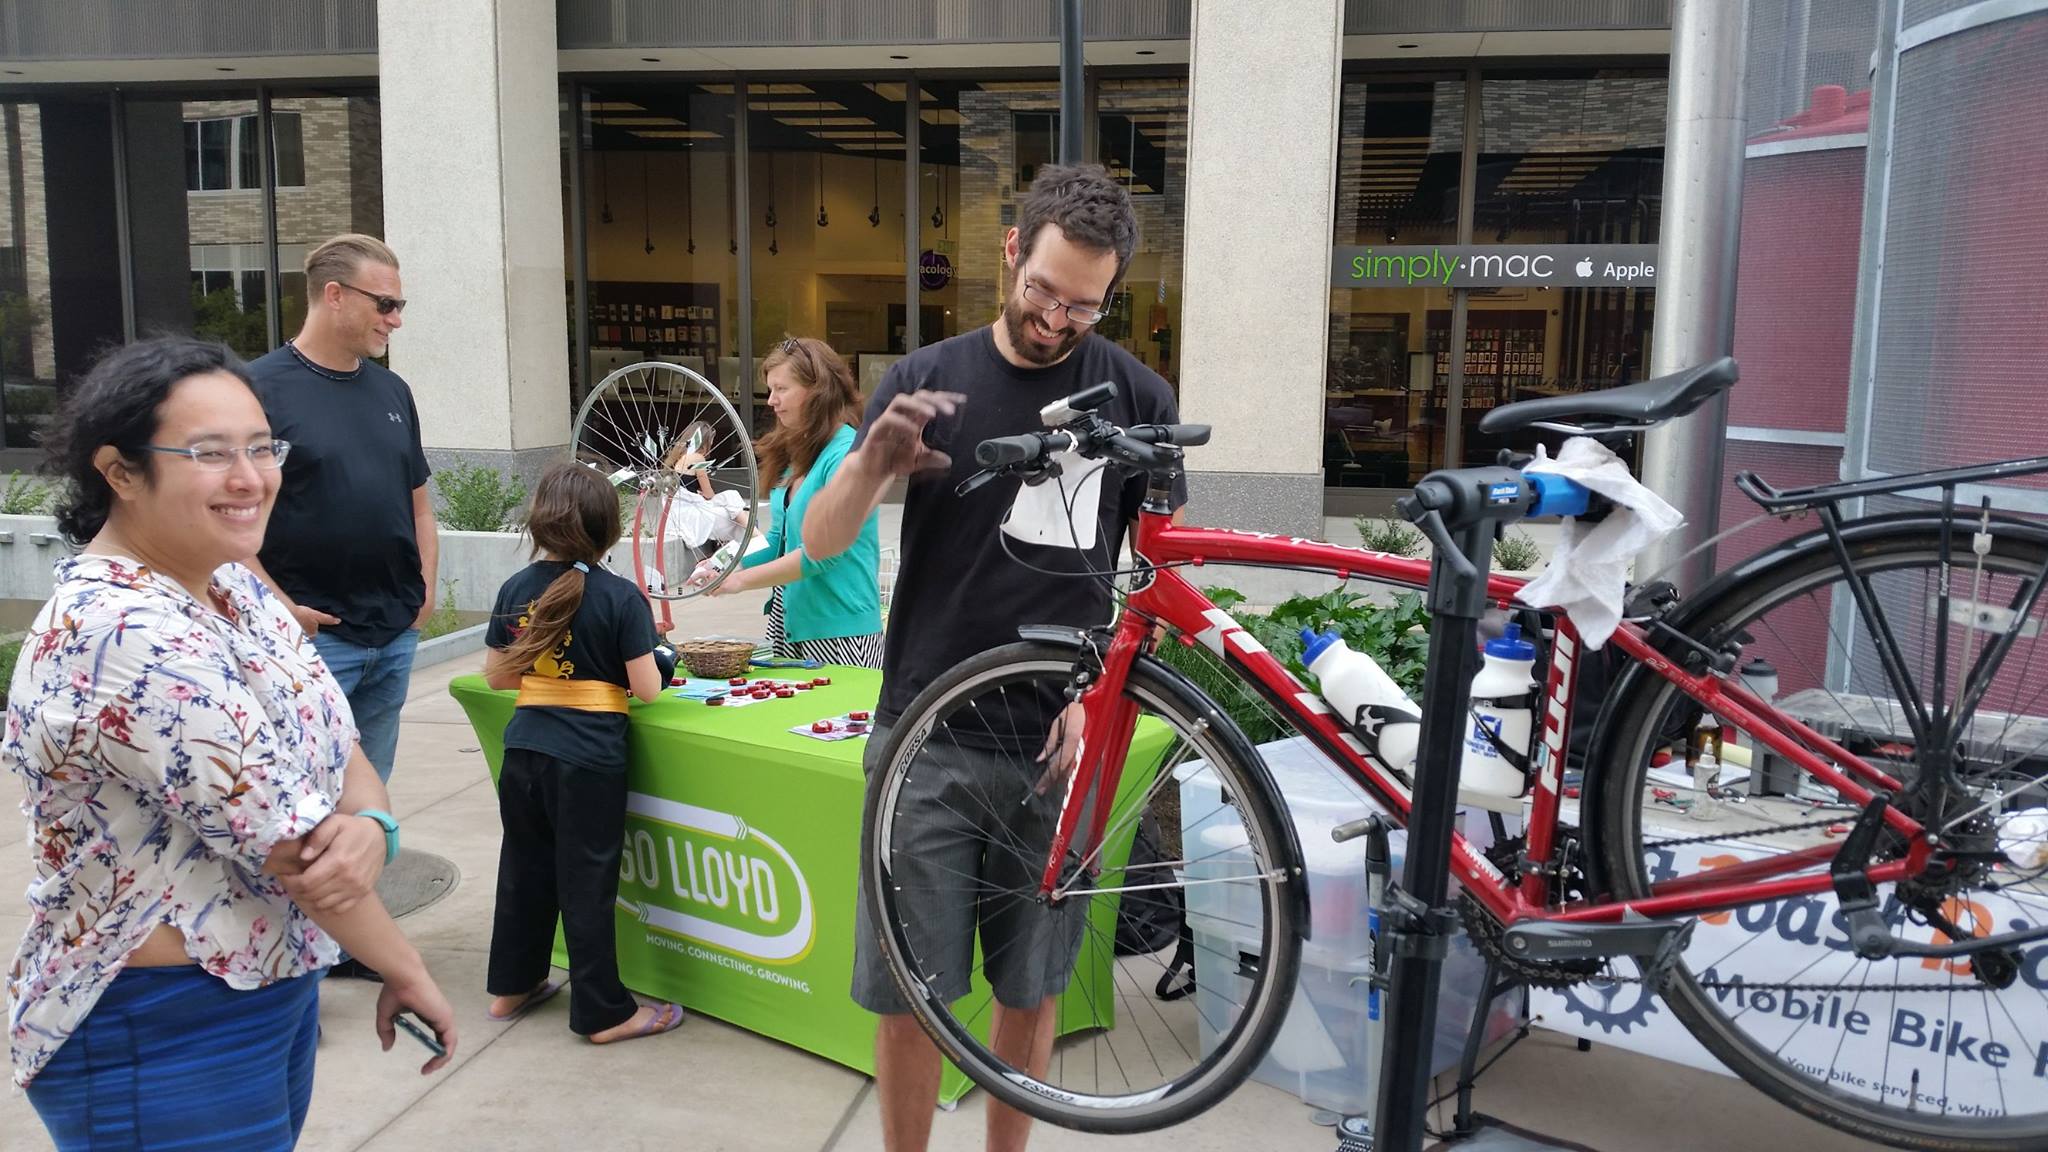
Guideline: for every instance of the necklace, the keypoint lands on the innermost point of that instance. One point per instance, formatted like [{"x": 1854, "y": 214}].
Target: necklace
[{"x": 319, "y": 370}]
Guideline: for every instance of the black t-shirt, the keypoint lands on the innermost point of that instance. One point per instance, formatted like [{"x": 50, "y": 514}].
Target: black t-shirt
[
  {"x": 611, "y": 628},
  {"x": 957, "y": 592},
  {"x": 341, "y": 536}
]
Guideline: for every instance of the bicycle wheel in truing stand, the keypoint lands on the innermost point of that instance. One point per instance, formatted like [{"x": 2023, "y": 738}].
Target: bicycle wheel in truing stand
[
  {"x": 1919, "y": 1052},
  {"x": 958, "y": 833},
  {"x": 638, "y": 426}
]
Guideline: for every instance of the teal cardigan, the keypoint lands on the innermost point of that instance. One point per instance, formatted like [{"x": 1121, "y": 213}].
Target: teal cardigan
[{"x": 832, "y": 598}]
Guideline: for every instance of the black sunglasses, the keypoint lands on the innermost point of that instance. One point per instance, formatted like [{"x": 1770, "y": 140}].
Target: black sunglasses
[{"x": 386, "y": 305}]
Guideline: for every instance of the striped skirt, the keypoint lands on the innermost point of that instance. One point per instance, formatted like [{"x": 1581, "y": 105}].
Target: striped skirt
[
  {"x": 854, "y": 651},
  {"x": 172, "y": 1058}
]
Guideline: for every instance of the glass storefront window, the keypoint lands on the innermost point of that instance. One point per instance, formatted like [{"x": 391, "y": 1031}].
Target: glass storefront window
[
  {"x": 825, "y": 193},
  {"x": 979, "y": 144},
  {"x": 1400, "y": 145},
  {"x": 662, "y": 256},
  {"x": 330, "y": 180},
  {"x": 1141, "y": 134},
  {"x": 1561, "y": 161}
]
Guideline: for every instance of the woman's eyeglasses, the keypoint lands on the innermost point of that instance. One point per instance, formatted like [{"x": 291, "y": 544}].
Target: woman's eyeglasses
[
  {"x": 386, "y": 305},
  {"x": 269, "y": 454}
]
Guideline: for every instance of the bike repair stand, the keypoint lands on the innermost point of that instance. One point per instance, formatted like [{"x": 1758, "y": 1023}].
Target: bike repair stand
[{"x": 1461, "y": 511}]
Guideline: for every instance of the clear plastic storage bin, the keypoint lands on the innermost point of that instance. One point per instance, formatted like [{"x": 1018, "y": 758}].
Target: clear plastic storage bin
[{"x": 1323, "y": 1051}]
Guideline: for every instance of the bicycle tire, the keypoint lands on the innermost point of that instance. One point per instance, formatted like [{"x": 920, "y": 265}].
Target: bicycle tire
[
  {"x": 1225, "y": 747},
  {"x": 1616, "y": 837}
]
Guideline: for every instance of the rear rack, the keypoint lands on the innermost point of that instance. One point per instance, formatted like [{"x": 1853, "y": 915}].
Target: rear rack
[{"x": 1943, "y": 481}]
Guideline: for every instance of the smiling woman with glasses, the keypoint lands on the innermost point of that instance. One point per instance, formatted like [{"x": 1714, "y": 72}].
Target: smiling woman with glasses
[{"x": 204, "y": 827}]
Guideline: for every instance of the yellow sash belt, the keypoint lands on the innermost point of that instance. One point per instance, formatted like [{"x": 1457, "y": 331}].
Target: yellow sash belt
[{"x": 582, "y": 695}]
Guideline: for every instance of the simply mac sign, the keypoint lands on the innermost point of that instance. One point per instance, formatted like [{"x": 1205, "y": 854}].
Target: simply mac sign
[{"x": 1496, "y": 266}]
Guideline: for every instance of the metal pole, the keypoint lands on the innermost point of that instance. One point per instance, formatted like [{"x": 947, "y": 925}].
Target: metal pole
[
  {"x": 579, "y": 250},
  {"x": 117, "y": 111},
  {"x": 266, "y": 162},
  {"x": 1072, "y": 97},
  {"x": 743, "y": 239},
  {"x": 1696, "y": 255},
  {"x": 913, "y": 210},
  {"x": 1461, "y": 298}
]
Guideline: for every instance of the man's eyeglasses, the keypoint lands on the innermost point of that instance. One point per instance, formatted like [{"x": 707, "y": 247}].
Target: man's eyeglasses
[
  {"x": 386, "y": 305},
  {"x": 1045, "y": 301},
  {"x": 268, "y": 454}
]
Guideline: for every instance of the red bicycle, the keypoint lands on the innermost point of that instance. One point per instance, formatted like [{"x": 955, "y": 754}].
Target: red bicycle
[{"x": 1861, "y": 931}]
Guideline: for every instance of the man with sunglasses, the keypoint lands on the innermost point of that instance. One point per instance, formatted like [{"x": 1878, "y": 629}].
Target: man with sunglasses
[
  {"x": 352, "y": 544},
  {"x": 976, "y": 567}
]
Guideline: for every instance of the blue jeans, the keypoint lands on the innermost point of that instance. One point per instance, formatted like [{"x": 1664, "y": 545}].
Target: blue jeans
[
  {"x": 375, "y": 681},
  {"x": 173, "y": 1058}
]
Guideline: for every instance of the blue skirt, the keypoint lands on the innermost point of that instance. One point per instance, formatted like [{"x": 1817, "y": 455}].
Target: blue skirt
[{"x": 172, "y": 1058}]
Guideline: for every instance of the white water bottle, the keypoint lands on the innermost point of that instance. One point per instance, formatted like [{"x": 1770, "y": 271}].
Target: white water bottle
[
  {"x": 1502, "y": 712},
  {"x": 1391, "y": 723}
]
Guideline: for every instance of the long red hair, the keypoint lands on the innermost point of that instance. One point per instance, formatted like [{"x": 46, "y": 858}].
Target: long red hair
[{"x": 831, "y": 399}]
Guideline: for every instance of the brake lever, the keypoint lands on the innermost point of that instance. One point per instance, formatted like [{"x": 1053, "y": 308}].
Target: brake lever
[{"x": 975, "y": 481}]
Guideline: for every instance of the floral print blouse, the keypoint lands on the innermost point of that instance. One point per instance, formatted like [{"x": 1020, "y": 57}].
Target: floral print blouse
[{"x": 166, "y": 746}]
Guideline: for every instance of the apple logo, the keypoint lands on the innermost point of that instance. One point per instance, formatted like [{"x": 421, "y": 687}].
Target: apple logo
[{"x": 1585, "y": 267}]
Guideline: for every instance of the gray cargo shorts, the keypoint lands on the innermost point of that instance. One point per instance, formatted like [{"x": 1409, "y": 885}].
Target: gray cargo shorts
[{"x": 956, "y": 868}]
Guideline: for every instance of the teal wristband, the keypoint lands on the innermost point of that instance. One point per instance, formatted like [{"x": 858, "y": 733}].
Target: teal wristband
[{"x": 389, "y": 823}]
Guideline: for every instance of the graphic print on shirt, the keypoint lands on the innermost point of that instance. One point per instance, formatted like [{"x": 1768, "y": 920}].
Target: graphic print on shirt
[
  {"x": 1061, "y": 509},
  {"x": 550, "y": 663}
]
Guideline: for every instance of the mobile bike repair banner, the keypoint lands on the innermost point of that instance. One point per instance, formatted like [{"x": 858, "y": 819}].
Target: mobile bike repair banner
[{"x": 1972, "y": 1052}]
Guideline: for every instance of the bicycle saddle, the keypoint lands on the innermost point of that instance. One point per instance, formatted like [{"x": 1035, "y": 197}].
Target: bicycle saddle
[{"x": 1633, "y": 406}]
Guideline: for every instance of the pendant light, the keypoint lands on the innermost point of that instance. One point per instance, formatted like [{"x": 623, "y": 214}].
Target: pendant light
[
  {"x": 689, "y": 198},
  {"x": 819, "y": 155},
  {"x": 774, "y": 246},
  {"x": 875, "y": 213},
  {"x": 604, "y": 184},
  {"x": 646, "y": 208}
]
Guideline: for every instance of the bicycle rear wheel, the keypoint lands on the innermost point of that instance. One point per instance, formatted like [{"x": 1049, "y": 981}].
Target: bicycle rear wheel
[
  {"x": 1914, "y": 1052},
  {"x": 957, "y": 836}
]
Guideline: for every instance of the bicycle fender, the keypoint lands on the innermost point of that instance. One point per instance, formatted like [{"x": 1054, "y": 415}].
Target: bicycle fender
[{"x": 1289, "y": 848}]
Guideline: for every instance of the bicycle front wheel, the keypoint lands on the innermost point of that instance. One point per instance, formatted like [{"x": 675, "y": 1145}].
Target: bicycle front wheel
[
  {"x": 958, "y": 836},
  {"x": 1920, "y": 1053}
]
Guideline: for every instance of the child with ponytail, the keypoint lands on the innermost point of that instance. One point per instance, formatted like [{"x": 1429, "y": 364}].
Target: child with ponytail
[{"x": 575, "y": 640}]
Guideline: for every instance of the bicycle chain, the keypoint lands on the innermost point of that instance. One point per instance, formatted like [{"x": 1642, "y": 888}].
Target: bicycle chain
[
  {"x": 1766, "y": 830},
  {"x": 1487, "y": 934}
]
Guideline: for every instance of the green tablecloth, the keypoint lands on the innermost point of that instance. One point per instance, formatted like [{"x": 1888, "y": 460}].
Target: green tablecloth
[{"x": 737, "y": 886}]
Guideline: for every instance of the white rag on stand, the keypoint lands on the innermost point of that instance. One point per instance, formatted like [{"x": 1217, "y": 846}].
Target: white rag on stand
[{"x": 1588, "y": 573}]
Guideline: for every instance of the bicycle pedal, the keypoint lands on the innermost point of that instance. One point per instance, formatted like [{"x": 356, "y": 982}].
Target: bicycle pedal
[{"x": 1545, "y": 940}]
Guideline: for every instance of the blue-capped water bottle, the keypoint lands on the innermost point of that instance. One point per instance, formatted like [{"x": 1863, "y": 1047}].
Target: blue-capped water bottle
[{"x": 1365, "y": 696}]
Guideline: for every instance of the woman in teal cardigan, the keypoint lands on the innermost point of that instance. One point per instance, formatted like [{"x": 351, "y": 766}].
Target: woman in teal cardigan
[{"x": 831, "y": 611}]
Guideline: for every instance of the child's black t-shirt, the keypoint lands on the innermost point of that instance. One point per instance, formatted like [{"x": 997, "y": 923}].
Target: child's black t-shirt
[{"x": 612, "y": 627}]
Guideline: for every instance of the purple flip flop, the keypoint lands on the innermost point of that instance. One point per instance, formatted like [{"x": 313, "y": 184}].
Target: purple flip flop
[{"x": 534, "y": 999}]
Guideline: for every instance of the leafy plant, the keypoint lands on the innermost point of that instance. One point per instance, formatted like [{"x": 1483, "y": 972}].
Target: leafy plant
[
  {"x": 445, "y": 618},
  {"x": 218, "y": 315},
  {"x": 10, "y": 651},
  {"x": 1516, "y": 552},
  {"x": 24, "y": 496},
  {"x": 1394, "y": 634},
  {"x": 477, "y": 497},
  {"x": 1388, "y": 535}
]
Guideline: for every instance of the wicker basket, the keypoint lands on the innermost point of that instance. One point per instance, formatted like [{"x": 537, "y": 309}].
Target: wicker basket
[{"x": 716, "y": 658}]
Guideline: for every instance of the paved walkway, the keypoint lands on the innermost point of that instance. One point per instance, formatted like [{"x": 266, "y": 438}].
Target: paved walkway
[{"x": 709, "y": 1086}]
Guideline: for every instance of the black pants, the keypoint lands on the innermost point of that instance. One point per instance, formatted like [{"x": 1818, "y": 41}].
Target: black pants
[{"x": 563, "y": 829}]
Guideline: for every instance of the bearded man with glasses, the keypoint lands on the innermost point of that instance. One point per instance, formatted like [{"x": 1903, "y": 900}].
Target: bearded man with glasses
[{"x": 352, "y": 544}]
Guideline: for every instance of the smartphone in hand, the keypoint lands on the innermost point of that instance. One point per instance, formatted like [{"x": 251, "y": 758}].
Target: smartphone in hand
[{"x": 414, "y": 1029}]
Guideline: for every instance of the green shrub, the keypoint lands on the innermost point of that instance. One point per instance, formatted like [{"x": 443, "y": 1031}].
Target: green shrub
[
  {"x": 477, "y": 497},
  {"x": 25, "y": 495},
  {"x": 1388, "y": 535},
  {"x": 10, "y": 651},
  {"x": 445, "y": 619},
  {"x": 1394, "y": 634},
  {"x": 1516, "y": 552}
]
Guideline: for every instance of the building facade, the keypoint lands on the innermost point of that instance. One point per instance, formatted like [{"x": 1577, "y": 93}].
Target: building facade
[{"x": 577, "y": 185}]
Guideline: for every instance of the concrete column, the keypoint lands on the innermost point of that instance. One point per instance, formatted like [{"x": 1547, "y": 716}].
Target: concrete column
[
  {"x": 1696, "y": 258},
  {"x": 473, "y": 207},
  {"x": 1263, "y": 93}
]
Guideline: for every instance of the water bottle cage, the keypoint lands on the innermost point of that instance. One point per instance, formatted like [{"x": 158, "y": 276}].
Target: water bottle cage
[
  {"x": 1518, "y": 760},
  {"x": 1371, "y": 718}
]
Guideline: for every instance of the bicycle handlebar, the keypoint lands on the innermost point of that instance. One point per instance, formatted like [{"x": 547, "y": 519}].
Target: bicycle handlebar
[{"x": 1150, "y": 447}]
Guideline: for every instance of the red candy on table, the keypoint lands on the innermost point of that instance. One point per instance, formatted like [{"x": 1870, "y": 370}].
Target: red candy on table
[
  {"x": 856, "y": 716},
  {"x": 822, "y": 726},
  {"x": 738, "y": 681},
  {"x": 714, "y": 700},
  {"x": 823, "y": 681},
  {"x": 785, "y": 693}
]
